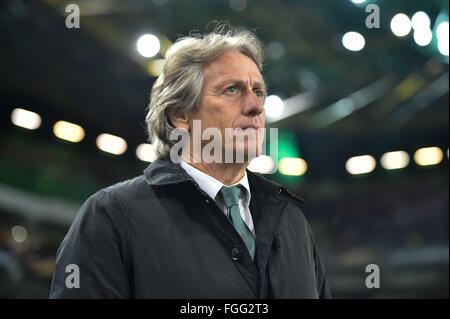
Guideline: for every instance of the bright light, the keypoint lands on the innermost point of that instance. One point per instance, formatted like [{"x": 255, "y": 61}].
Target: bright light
[
  {"x": 360, "y": 164},
  {"x": 155, "y": 67},
  {"x": 292, "y": 166},
  {"x": 68, "y": 131},
  {"x": 421, "y": 23},
  {"x": 273, "y": 105},
  {"x": 443, "y": 47},
  {"x": 428, "y": 156},
  {"x": 400, "y": 25},
  {"x": 442, "y": 33},
  {"x": 148, "y": 45},
  {"x": 146, "y": 152},
  {"x": 111, "y": 144},
  {"x": 442, "y": 30},
  {"x": 395, "y": 160},
  {"x": 353, "y": 41},
  {"x": 358, "y": 1},
  {"x": 423, "y": 37},
  {"x": 19, "y": 233},
  {"x": 262, "y": 164},
  {"x": 420, "y": 20},
  {"x": 26, "y": 119}
]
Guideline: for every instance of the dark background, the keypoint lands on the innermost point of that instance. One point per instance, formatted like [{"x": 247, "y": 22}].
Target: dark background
[{"x": 94, "y": 76}]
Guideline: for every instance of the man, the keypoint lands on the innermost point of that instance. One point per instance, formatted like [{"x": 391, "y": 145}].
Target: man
[{"x": 192, "y": 227}]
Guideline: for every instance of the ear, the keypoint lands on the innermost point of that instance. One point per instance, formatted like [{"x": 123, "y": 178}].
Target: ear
[{"x": 179, "y": 120}]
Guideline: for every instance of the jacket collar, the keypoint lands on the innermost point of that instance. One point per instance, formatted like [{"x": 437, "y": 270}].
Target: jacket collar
[{"x": 164, "y": 172}]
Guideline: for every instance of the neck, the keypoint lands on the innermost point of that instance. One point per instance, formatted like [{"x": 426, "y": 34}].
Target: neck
[{"x": 226, "y": 173}]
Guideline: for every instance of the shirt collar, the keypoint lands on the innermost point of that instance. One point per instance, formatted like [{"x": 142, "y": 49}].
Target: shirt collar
[
  {"x": 211, "y": 185},
  {"x": 165, "y": 172}
]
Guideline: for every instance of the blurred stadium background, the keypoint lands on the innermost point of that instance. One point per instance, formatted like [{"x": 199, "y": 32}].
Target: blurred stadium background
[{"x": 362, "y": 115}]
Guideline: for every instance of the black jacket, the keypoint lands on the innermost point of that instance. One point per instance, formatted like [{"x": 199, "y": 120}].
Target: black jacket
[{"x": 160, "y": 236}]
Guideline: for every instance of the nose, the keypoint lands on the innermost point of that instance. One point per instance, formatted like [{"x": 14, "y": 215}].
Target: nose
[{"x": 253, "y": 105}]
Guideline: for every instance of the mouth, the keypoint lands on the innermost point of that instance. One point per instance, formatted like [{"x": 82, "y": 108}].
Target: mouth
[{"x": 252, "y": 127}]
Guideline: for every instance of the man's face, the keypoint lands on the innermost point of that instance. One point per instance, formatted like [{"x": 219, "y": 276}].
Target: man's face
[{"x": 232, "y": 97}]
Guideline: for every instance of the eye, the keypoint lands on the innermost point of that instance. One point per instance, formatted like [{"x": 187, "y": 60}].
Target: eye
[
  {"x": 259, "y": 92},
  {"x": 231, "y": 89}
]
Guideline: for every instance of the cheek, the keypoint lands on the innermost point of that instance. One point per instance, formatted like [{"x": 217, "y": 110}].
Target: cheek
[
  {"x": 207, "y": 116},
  {"x": 212, "y": 112},
  {"x": 218, "y": 113},
  {"x": 224, "y": 117}
]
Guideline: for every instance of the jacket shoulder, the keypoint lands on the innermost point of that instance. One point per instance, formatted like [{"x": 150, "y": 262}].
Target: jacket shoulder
[
  {"x": 114, "y": 199},
  {"x": 127, "y": 189}
]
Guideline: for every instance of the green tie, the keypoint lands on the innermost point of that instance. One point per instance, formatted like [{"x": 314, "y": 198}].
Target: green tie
[{"x": 230, "y": 196}]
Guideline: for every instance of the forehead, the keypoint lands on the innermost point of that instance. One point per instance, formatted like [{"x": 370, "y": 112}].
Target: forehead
[{"x": 232, "y": 64}]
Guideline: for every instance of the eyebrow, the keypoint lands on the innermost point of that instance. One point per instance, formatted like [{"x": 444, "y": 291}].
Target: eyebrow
[{"x": 257, "y": 84}]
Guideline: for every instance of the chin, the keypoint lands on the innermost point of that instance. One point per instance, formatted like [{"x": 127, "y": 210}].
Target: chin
[{"x": 247, "y": 152}]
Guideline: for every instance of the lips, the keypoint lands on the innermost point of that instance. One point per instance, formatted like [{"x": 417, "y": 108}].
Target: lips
[{"x": 255, "y": 127}]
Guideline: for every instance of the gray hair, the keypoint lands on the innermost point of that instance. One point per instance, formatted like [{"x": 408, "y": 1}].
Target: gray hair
[{"x": 178, "y": 88}]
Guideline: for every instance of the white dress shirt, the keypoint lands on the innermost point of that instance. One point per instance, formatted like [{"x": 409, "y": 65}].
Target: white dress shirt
[{"x": 212, "y": 187}]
